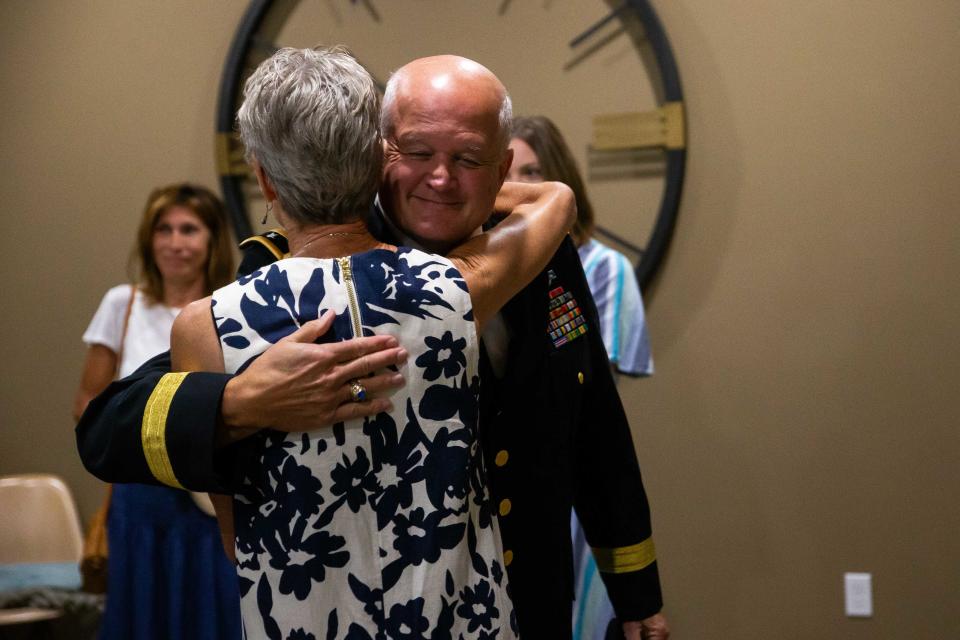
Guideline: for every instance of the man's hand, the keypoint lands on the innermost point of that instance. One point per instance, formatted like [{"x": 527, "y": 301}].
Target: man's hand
[
  {"x": 653, "y": 628},
  {"x": 297, "y": 385}
]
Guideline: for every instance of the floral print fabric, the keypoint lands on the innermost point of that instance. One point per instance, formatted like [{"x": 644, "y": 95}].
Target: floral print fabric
[{"x": 380, "y": 527}]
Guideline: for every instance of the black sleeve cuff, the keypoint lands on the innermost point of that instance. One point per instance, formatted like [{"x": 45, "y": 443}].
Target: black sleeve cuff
[
  {"x": 191, "y": 429},
  {"x": 108, "y": 434},
  {"x": 635, "y": 595}
]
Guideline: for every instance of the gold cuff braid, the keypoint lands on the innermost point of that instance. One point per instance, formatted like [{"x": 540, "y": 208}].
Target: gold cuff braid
[
  {"x": 625, "y": 559},
  {"x": 153, "y": 432}
]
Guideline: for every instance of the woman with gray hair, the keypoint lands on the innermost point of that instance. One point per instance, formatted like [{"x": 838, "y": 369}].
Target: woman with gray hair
[{"x": 381, "y": 526}]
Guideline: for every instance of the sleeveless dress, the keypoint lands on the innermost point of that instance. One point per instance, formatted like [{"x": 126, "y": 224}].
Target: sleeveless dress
[{"x": 380, "y": 527}]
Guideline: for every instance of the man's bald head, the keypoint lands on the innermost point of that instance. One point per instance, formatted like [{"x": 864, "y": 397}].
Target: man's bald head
[
  {"x": 446, "y": 127},
  {"x": 448, "y": 83}
]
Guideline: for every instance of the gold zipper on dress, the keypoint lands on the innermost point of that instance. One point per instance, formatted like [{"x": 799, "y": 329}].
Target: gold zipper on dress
[{"x": 351, "y": 296}]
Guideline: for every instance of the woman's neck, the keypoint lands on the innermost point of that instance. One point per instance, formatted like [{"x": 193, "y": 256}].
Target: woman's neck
[
  {"x": 331, "y": 240},
  {"x": 180, "y": 293}
]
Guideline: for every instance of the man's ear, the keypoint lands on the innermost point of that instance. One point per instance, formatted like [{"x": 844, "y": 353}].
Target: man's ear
[
  {"x": 504, "y": 167},
  {"x": 263, "y": 180}
]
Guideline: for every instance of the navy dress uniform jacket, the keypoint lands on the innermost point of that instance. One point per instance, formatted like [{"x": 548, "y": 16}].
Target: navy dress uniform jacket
[
  {"x": 555, "y": 435},
  {"x": 553, "y": 430}
]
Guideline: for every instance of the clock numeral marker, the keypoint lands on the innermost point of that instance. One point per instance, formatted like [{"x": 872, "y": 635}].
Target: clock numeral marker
[
  {"x": 659, "y": 128},
  {"x": 230, "y": 155}
]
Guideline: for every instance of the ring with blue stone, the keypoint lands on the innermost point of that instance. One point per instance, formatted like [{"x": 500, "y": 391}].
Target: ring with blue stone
[{"x": 358, "y": 393}]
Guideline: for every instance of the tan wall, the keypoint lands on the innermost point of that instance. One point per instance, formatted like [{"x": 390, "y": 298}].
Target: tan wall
[
  {"x": 800, "y": 423},
  {"x": 102, "y": 102}
]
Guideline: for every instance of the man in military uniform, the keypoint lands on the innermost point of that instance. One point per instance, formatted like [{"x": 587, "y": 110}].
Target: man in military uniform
[{"x": 552, "y": 426}]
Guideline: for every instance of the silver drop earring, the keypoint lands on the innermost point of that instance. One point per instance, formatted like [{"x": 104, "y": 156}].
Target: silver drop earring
[{"x": 267, "y": 212}]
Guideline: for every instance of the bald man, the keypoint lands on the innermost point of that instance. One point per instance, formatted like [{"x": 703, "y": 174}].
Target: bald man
[{"x": 553, "y": 429}]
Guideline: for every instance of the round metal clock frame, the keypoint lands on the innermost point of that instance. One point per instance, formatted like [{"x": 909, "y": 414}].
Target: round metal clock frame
[{"x": 253, "y": 40}]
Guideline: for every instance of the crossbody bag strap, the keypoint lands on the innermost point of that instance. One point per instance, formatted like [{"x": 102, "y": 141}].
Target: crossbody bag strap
[{"x": 123, "y": 334}]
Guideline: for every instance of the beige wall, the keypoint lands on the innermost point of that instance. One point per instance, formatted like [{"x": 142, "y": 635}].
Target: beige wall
[
  {"x": 801, "y": 422},
  {"x": 102, "y": 102}
]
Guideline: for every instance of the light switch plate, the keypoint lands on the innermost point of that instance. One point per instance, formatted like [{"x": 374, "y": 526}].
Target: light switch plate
[{"x": 858, "y": 594}]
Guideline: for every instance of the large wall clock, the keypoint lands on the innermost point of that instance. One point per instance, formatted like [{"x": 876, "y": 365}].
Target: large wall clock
[{"x": 603, "y": 71}]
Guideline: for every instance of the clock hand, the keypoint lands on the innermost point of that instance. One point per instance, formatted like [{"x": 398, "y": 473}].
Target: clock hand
[
  {"x": 592, "y": 29},
  {"x": 589, "y": 51}
]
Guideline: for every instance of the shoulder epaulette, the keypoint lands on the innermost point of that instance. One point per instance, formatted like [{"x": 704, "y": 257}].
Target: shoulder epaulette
[{"x": 274, "y": 240}]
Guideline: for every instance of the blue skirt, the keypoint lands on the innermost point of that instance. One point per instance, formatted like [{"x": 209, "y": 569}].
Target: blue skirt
[{"x": 168, "y": 575}]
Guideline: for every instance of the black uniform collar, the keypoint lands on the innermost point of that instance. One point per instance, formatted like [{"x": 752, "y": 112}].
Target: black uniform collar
[{"x": 383, "y": 229}]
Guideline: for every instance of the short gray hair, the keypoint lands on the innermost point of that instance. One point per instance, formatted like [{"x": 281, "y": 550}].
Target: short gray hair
[
  {"x": 504, "y": 116},
  {"x": 310, "y": 118}
]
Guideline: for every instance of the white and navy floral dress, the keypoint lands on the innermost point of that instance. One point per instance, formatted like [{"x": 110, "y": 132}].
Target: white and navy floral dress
[{"x": 379, "y": 527}]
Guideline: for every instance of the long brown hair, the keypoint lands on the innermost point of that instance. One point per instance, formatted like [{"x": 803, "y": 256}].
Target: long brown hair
[
  {"x": 208, "y": 207},
  {"x": 557, "y": 163}
]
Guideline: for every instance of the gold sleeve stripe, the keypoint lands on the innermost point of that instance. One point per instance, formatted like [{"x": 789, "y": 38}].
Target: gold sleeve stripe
[
  {"x": 272, "y": 248},
  {"x": 625, "y": 559},
  {"x": 153, "y": 432}
]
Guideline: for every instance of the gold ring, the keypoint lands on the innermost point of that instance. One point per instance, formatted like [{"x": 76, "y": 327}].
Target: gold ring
[{"x": 358, "y": 393}]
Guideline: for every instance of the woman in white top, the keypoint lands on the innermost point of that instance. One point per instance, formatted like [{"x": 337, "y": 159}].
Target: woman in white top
[
  {"x": 162, "y": 547},
  {"x": 182, "y": 253}
]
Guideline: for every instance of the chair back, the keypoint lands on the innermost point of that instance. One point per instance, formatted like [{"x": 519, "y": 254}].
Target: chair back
[{"x": 38, "y": 520}]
